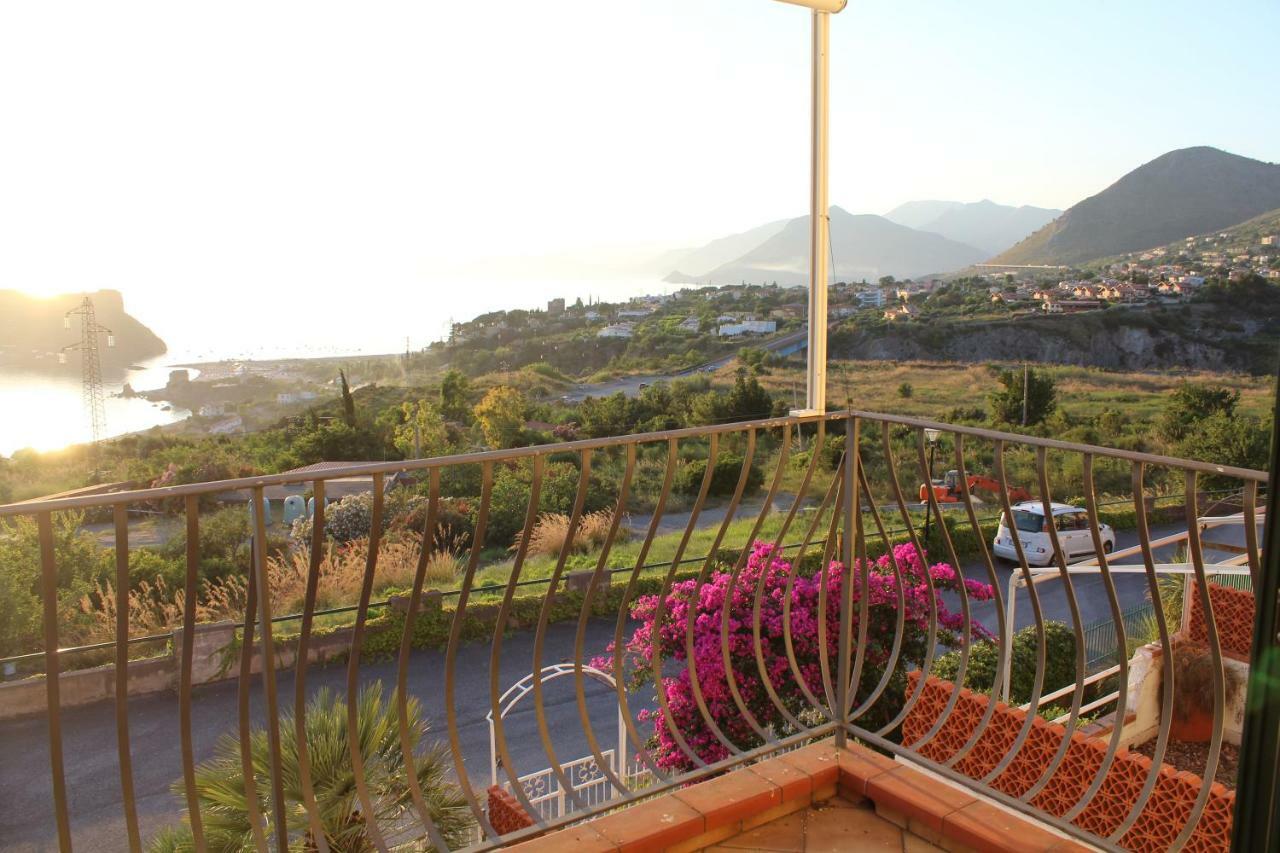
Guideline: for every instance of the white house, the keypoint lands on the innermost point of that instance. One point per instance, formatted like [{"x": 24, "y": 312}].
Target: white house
[
  {"x": 871, "y": 299},
  {"x": 617, "y": 330},
  {"x": 748, "y": 327}
]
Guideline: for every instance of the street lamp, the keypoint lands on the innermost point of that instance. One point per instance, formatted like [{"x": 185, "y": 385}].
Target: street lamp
[
  {"x": 931, "y": 435},
  {"x": 819, "y": 217}
]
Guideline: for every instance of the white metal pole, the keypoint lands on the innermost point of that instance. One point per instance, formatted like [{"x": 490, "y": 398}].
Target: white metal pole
[
  {"x": 1006, "y": 650},
  {"x": 816, "y": 396}
]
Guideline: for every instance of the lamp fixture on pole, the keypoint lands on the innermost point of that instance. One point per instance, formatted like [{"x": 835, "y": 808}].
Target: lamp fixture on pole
[
  {"x": 819, "y": 218},
  {"x": 931, "y": 435}
]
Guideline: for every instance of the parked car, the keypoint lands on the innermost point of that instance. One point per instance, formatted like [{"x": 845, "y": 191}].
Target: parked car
[{"x": 1071, "y": 523}]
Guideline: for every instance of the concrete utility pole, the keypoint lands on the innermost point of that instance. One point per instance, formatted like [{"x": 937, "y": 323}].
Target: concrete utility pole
[
  {"x": 819, "y": 215},
  {"x": 1025, "y": 381}
]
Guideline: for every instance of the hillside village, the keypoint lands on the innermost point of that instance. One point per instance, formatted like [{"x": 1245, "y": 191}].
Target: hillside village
[{"x": 1168, "y": 274}]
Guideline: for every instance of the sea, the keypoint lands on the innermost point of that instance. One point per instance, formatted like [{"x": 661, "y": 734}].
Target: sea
[{"x": 43, "y": 412}]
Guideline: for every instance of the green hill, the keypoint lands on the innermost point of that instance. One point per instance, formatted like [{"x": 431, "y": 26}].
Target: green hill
[{"x": 1178, "y": 195}]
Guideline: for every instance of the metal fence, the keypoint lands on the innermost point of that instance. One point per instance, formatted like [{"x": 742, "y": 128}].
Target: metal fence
[
  {"x": 1101, "y": 638},
  {"x": 766, "y": 654}
]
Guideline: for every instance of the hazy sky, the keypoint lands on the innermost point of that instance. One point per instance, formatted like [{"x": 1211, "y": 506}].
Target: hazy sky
[{"x": 161, "y": 145}]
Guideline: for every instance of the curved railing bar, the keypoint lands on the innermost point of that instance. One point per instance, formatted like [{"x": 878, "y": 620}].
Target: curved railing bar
[
  {"x": 766, "y": 679},
  {"x": 1037, "y": 685},
  {"x": 451, "y": 651},
  {"x": 123, "y": 754},
  {"x": 1215, "y": 650},
  {"x": 966, "y": 640},
  {"x": 425, "y": 552},
  {"x": 314, "y": 561},
  {"x": 580, "y": 638},
  {"x": 1249, "y": 513},
  {"x": 269, "y": 674},
  {"x": 788, "y": 642},
  {"x": 190, "y": 596},
  {"x": 824, "y": 593},
  {"x": 1077, "y": 624},
  {"x": 496, "y": 697},
  {"x": 1001, "y": 617},
  {"x": 931, "y": 642},
  {"x": 52, "y": 681},
  {"x": 252, "y": 803},
  {"x": 656, "y": 637},
  {"x": 852, "y": 548},
  {"x": 540, "y": 636},
  {"x": 1122, "y": 643},
  {"x": 743, "y": 557},
  {"x": 1136, "y": 474},
  {"x": 695, "y": 681},
  {"x": 624, "y": 610},
  {"x": 353, "y": 669},
  {"x": 899, "y": 632}
]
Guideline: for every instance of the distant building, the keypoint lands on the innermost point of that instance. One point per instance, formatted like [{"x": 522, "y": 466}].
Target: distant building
[
  {"x": 748, "y": 327},
  {"x": 555, "y": 306},
  {"x": 1271, "y": 240},
  {"x": 690, "y": 325},
  {"x": 212, "y": 410},
  {"x": 871, "y": 299},
  {"x": 617, "y": 330},
  {"x": 228, "y": 426}
]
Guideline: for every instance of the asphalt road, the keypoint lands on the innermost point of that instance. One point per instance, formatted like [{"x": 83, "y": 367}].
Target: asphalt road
[
  {"x": 26, "y": 822},
  {"x": 93, "y": 781},
  {"x": 631, "y": 385}
]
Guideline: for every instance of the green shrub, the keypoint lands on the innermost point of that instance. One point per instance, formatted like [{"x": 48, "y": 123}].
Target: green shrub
[
  {"x": 984, "y": 658},
  {"x": 724, "y": 478}
]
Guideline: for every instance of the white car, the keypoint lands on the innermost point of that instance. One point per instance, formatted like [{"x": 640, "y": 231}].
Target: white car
[{"x": 1071, "y": 522}]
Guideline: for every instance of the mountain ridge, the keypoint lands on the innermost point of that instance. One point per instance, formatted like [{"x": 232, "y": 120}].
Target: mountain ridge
[
  {"x": 1181, "y": 193},
  {"x": 863, "y": 246}
]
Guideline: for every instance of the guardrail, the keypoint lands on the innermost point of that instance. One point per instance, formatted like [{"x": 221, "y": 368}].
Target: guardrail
[{"x": 758, "y": 650}]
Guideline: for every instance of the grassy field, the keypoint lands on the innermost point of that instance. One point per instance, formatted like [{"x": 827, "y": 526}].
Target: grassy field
[{"x": 939, "y": 387}]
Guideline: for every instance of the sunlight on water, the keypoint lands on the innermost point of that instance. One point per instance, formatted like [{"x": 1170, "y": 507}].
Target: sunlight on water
[{"x": 46, "y": 412}]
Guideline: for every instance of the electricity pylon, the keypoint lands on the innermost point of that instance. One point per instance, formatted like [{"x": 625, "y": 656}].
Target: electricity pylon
[{"x": 90, "y": 363}]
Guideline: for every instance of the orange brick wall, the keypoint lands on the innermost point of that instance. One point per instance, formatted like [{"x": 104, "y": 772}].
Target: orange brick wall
[
  {"x": 1233, "y": 614},
  {"x": 505, "y": 812},
  {"x": 1162, "y": 818}
]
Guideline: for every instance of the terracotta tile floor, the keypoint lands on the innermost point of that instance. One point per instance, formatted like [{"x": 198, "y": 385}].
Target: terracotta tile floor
[{"x": 828, "y": 827}]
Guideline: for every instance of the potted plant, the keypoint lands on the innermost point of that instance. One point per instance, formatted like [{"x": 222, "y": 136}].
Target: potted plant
[{"x": 1193, "y": 688}]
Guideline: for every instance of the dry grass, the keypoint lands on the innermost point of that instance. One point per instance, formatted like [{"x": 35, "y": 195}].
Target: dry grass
[
  {"x": 154, "y": 607},
  {"x": 941, "y": 386},
  {"x": 445, "y": 563},
  {"x": 550, "y": 534}
]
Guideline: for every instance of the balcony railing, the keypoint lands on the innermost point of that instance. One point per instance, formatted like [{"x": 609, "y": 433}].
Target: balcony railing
[{"x": 802, "y": 615}]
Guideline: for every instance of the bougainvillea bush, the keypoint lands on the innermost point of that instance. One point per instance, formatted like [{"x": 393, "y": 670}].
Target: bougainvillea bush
[{"x": 666, "y": 643}]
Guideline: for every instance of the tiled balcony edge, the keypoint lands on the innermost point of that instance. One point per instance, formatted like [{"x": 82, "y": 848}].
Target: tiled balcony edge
[{"x": 709, "y": 812}]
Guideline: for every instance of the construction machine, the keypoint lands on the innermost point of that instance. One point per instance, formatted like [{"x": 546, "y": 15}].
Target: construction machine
[{"x": 947, "y": 490}]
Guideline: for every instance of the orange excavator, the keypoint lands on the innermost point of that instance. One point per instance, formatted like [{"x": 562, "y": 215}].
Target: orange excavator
[{"x": 947, "y": 490}]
